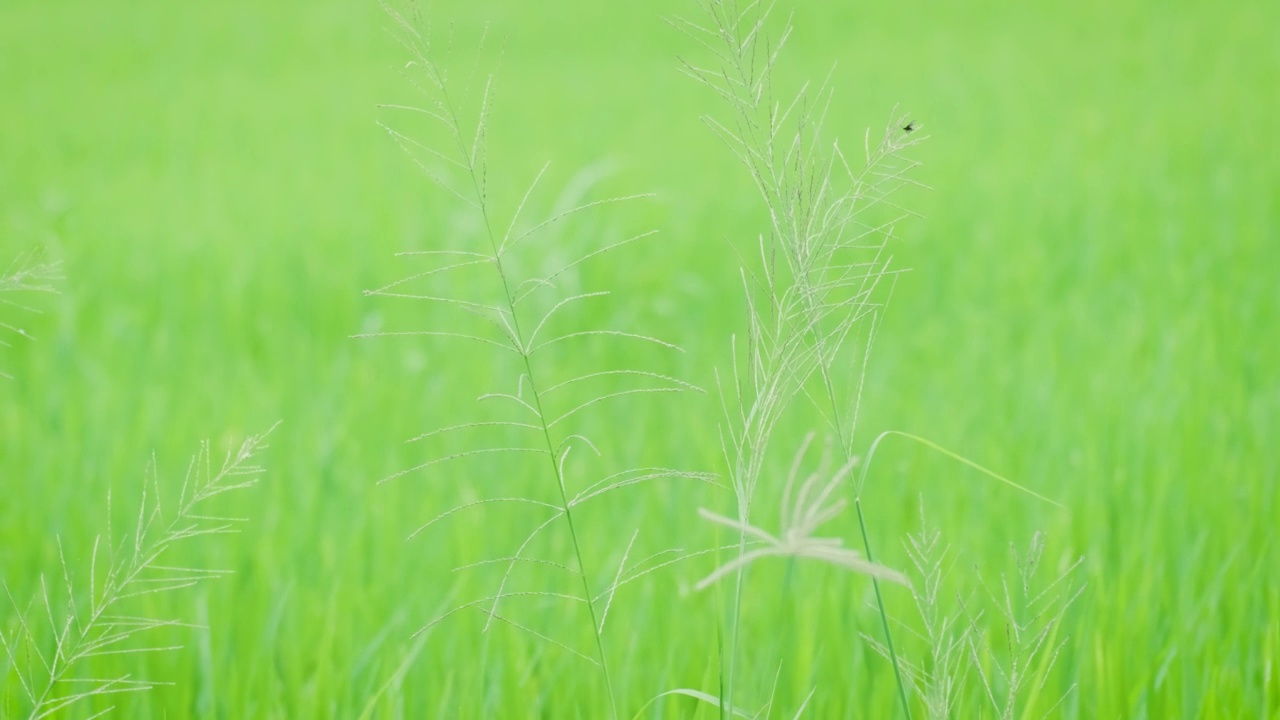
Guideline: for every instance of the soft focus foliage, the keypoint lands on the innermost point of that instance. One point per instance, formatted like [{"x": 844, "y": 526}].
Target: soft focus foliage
[{"x": 1090, "y": 310}]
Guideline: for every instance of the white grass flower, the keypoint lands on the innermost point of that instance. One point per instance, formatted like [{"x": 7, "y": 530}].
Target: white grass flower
[{"x": 806, "y": 506}]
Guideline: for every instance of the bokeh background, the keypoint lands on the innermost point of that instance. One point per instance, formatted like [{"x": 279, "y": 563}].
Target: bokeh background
[{"x": 1093, "y": 309}]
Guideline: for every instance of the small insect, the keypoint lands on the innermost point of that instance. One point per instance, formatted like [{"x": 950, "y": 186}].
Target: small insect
[{"x": 909, "y": 126}]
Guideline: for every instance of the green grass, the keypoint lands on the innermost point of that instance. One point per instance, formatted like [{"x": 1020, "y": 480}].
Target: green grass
[{"x": 1092, "y": 311}]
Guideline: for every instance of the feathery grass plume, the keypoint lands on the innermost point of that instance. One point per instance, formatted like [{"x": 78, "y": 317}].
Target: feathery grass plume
[
  {"x": 1011, "y": 669},
  {"x": 28, "y": 273},
  {"x": 52, "y": 639},
  {"x": 518, "y": 294},
  {"x": 1016, "y": 663},
  {"x": 806, "y": 506},
  {"x": 938, "y": 680},
  {"x": 829, "y": 223}
]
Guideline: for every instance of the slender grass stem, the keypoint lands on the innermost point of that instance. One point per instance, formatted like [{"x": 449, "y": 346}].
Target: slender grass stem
[
  {"x": 726, "y": 707},
  {"x": 845, "y": 443},
  {"x": 469, "y": 155},
  {"x": 577, "y": 546},
  {"x": 884, "y": 615}
]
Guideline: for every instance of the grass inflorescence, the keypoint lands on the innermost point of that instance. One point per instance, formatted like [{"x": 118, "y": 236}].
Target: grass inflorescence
[
  {"x": 522, "y": 308},
  {"x": 84, "y": 614},
  {"x": 577, "y": 519}
]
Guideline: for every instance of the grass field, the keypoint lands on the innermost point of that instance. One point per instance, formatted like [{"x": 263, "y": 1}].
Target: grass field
[{"x": 1093, "y": 310}]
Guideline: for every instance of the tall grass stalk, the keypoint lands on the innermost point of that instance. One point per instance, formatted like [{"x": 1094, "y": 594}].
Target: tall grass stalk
[
  {"x": 520, "y": 316},
  {"x": 829, "y": 223},
  {"x": 92, "y": 620}
]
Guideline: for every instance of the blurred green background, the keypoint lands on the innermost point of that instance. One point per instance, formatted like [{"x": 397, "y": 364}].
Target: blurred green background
[{"x": 1093, "y": 309}]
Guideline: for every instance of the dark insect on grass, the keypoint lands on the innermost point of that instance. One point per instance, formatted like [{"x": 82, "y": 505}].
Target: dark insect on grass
[{"x": 909, "y": 126}]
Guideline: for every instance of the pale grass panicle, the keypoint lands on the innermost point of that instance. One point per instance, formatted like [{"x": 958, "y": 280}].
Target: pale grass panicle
[
  {"x": 91, "y": 612},
  {"x": 822, "y": 272},
  {"x": 515, "y": 290},
  {"x": 806, "y": 505},
  {"x": 27, "y": 274},
  {"x": 1015, "y": 659},
  {"x": 938, "y": 677},
  {"x": 989, "y": 654},
  {"x": 30, "y": 272},
  {"x": 815, "y": 291}
]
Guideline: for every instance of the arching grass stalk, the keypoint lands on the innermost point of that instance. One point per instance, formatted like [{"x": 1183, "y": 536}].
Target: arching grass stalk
[
  {"x": 518, "y": 318},
  {"x": 470, "y": 156},
  {"x": 830, "y": 226}
]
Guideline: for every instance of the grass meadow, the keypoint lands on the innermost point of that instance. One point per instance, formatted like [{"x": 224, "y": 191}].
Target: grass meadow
[{"x": 1092, "y": 310}]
